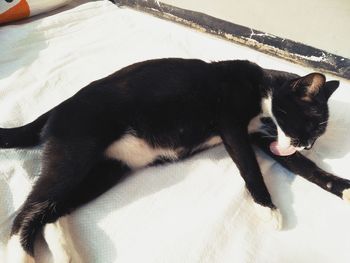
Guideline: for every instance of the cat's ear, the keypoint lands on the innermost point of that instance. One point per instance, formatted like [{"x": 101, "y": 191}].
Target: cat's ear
[
  {"x": 309, "y": 86},
  {"x": 330, "y": 87}
]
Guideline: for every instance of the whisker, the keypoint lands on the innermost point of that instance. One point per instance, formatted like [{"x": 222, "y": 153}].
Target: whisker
[
  {"x": 281, "y": 110},
  {"x": 336, "y": 128},
  {"x": 268, "y": 136},
  {"x": 295, "y": 141}
]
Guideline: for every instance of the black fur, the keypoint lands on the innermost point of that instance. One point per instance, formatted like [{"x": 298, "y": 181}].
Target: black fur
[{"x": 169, "y": 103}]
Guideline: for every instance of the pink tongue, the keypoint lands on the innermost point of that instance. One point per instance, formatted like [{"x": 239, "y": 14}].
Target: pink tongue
[{"x": 278, "y": 150}]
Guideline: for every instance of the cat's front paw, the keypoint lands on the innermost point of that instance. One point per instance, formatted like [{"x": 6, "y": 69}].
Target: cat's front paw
[
  {"x": 346, "y": 195},
  {"x": 276, "y": 219},
  {"x": 272, "y": 216},
  {"x": 341, "y": 187}
]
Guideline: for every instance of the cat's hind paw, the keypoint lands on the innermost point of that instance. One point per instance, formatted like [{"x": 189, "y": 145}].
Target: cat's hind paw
[
  {"x": 15, "y": 252},
  {"x": 346, "y": 195}
]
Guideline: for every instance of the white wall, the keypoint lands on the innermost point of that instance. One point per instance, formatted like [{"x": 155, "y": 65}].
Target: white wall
[{"x": 323, "y": 24}]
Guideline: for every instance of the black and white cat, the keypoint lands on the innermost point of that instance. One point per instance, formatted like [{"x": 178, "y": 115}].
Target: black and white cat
[{"x": 166, "y": 110}]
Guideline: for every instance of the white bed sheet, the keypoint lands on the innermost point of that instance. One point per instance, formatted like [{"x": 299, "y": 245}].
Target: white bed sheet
[{"x": 193, "y": 211}]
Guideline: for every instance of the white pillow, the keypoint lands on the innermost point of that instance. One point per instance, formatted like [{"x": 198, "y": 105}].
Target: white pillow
[{"x": 11, "y": 10}]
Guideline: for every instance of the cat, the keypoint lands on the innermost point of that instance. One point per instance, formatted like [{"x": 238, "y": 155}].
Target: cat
[{"x": 166, "y": 110}]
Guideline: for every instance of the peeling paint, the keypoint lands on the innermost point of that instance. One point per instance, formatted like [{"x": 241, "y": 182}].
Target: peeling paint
[{"x": 261, "y": 41}]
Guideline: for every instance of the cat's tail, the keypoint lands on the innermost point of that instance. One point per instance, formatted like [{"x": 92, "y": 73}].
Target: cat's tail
[{"x": 24, "y": 136}]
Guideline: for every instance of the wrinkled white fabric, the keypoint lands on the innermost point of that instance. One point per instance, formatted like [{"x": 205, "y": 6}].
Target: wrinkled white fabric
[{"x": 193, "y": 211}]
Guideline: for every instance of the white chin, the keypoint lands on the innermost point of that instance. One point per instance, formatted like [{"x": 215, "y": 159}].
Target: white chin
[{"x": 299, "y": 148}]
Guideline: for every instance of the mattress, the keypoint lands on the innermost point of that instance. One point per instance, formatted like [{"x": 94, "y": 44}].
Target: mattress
[{"x": 196, "y": 210}]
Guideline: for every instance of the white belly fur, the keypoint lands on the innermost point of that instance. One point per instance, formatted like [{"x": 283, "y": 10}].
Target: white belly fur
[{"x": 137, "y": 153}]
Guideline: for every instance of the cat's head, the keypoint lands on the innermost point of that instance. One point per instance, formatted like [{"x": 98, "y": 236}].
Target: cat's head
[{"x": 300, "y": 111}]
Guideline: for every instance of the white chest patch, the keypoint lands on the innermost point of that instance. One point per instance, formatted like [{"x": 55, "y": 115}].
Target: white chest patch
[
  {"x": 136, "y": 152},
  {"x": 255, "y": 124}
]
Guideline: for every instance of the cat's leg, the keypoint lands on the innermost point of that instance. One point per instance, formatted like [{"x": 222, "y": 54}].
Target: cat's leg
[
  {"x": 65, "y": 165},
  {"x": 299, "y": 164},
  {"x": 237, "y": 144},
  {"x": 104, "y": 175}
]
